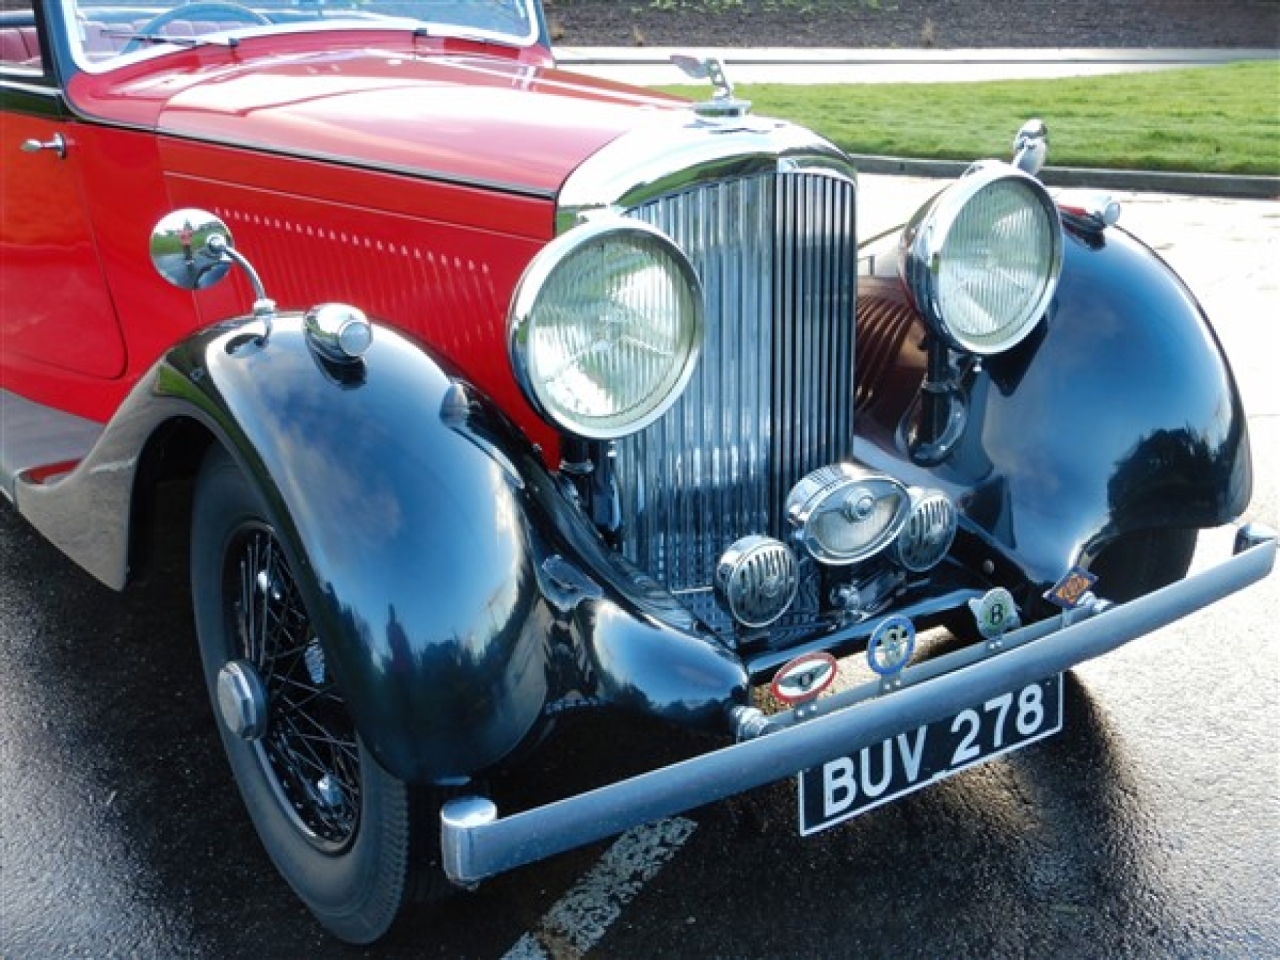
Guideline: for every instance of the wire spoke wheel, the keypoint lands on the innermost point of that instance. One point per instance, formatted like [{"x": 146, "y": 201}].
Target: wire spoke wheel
[
  {"x": 352, "y": 840},
  {"x": 309, "y": 749}
]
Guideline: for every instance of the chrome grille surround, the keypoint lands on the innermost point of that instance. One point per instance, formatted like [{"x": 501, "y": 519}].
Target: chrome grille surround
[{"x": 765, "y": 211}]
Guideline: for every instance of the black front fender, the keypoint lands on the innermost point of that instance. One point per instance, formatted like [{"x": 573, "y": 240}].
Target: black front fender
[
  {"x": 1119, "y": 413},
  {"x": 461, "y": 597},
  {"x": 1127, "y": 413},
  {"x": 416, "y": 549}
]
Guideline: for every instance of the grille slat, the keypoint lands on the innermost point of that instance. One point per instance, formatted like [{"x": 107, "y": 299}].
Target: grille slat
[{"x": 772, "y": 396}]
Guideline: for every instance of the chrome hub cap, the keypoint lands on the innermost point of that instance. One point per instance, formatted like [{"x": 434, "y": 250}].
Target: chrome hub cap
[{"x": 242, "y": 700}]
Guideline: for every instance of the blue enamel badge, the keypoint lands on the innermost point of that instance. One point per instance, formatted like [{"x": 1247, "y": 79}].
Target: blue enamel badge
[{"x": 891, "y": 646}]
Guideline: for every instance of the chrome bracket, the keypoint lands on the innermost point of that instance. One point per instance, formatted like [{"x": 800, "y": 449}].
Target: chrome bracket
[{"x": 1088, "y": 211}]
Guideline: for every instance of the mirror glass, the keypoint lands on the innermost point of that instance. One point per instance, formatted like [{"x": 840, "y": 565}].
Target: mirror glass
[{"x": 182, "y": 254}]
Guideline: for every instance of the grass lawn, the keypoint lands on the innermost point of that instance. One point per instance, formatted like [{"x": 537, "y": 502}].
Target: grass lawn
[{"x": 1207, "y": 120}]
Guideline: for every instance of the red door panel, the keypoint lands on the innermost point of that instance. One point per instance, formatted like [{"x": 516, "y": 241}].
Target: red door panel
[{"x": 55, "y": 308}]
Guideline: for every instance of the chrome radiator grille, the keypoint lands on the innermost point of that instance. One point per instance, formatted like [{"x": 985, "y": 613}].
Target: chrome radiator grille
[{"x": 772, "y": 398}]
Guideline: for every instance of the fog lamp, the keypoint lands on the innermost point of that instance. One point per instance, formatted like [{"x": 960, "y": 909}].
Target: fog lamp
[
  {"x": 757, "y": 578},
  {"x": 928, "y": 533},
  {"x": 846, "y": 513}
]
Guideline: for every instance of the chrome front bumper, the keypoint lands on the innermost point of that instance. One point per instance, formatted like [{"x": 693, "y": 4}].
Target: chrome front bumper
[{"x": 477, "y": 843}]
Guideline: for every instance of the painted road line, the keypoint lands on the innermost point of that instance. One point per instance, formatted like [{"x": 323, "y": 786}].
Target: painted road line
[{"x": 577, "y": 921}]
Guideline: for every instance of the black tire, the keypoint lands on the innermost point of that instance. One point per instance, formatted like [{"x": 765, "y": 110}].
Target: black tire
[
  {"x": 1142, "y": 561},
  {"x": 341, "y": 830}
]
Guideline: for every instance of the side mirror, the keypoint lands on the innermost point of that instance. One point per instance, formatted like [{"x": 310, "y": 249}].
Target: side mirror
[
  {"x": 192, "y": 249},
  {"x": 189, "y": 249},
  {"x": 1031, "y": 147}
]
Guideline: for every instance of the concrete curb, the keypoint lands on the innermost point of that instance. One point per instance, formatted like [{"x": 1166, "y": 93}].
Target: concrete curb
[{"x": 1156, "y": 181}]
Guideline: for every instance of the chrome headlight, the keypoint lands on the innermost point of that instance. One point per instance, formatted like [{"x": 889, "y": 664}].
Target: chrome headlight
[
  {"x": 605, "y": 328},
  {"x": 845, "y": 513},
  {"x": 982, "y": 259}
]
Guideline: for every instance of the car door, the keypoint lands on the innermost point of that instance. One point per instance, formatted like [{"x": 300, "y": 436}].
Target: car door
[{"x": 55, "y": 307}]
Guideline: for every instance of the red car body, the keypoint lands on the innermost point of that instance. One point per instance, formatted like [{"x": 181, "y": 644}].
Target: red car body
[
  {"x": 529, "y": 396},
  {"x": 476, "y": 221}
]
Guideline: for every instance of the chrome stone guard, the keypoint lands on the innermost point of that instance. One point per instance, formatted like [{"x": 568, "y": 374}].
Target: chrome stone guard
[{"x": 477, "y": 844}]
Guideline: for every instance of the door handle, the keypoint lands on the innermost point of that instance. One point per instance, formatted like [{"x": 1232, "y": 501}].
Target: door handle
[{"x": 57, "y": 144}]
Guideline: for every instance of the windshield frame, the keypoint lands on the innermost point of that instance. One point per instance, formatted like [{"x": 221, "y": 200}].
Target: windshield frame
[{"x": 75, "y": 46}]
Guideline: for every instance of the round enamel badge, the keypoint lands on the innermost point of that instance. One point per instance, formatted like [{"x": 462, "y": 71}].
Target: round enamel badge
[
  {"x": 804, "y": 678},
  {"x": 891, "y": 646},
  {"x": 996, "y": 613}
]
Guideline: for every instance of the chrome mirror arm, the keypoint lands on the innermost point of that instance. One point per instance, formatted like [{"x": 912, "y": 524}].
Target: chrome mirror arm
[{"x": 264, "y": 308}]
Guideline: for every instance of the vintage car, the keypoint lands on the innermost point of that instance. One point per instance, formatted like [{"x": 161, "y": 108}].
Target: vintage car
[{"x": 499, "y": 395}]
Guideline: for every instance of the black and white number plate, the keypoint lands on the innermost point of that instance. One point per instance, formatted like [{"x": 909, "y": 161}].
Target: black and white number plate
[{"x": 847, "y": 786}]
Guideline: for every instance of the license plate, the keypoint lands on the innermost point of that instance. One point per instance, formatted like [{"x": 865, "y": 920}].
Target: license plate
[{"x": 847, "y": 786}]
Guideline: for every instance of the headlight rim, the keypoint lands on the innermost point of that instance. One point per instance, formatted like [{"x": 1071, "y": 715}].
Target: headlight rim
[
  {"x": 533, "y": 281},
  {"x": 923, "y": 239}
]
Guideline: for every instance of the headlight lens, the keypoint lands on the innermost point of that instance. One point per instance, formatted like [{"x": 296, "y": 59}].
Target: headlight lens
[
  {"x": 846, "y": 513},
  {"x": 605, "y": 328},
  {"x": 982, "y": 259}
]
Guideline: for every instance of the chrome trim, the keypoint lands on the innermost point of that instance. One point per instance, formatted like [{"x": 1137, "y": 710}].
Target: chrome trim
[
  {"x": 723, "y": 104},
  {"x": 533, "y": 282},
  {"x": 772, "y": 398},
  {"x": 337, "y": 331},
  {"x": 921, "y": 251},
  {"x": 1031, "y": 146},
  {"x": 765, "y": 212},
  {"x": 928, "y": 533},
  {"x": 853, "y": 491},
  {"x": 242, "y": 700},
  {"x": 677, "y": 151},
  {"x": 476, "y": 843},
  {"x": 57, "y": 144},
  {"x": 1090, "y": 211},
  {"x": 419, "y": 29}
]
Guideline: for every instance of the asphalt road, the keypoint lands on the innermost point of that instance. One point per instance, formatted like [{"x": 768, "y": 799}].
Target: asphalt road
[{"x": 1148, "y": 827}]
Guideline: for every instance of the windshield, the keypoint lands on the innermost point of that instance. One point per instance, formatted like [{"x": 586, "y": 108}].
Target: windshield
[{"x": 105, "y": 30}]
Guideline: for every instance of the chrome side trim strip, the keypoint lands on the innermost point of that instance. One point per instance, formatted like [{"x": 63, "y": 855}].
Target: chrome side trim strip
[{"x": 476, "y": 843}]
